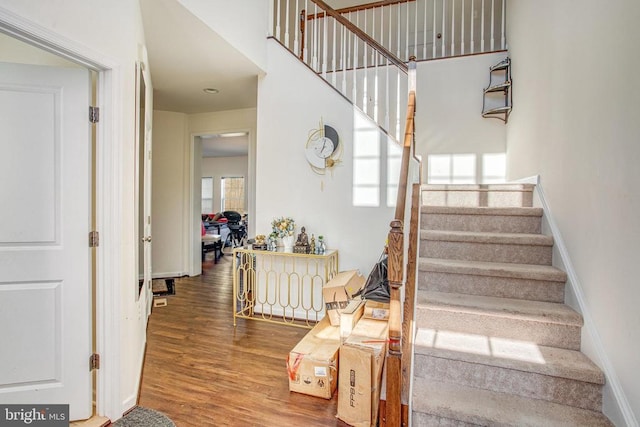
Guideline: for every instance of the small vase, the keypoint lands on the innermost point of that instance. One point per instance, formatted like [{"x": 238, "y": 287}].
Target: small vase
[{"x": 287, "y": 243}]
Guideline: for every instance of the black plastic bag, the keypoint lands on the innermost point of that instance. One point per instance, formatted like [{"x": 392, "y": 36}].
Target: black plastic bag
[{"x": 377, "y": 286}]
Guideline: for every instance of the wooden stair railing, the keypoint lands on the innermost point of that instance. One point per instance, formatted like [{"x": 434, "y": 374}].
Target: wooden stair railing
[
  {"x": 357, "y": 66},
  {"x": 398, "y": 375}
]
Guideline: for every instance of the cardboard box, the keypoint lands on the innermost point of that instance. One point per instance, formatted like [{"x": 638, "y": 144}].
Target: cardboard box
[
  {"x": 312, "y": 365},
  {"x": 350, "y": 315},
  {"x": 361, "y": 361},
  {"x": 339, "y": 290},
  {"x": 376, "y": 310}
]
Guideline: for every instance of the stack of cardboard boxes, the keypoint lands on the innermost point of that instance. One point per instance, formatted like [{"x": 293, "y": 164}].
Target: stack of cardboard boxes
[{"x": 345, "y": 350}]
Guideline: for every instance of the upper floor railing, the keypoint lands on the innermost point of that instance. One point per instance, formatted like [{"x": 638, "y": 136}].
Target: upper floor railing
[
  {"x": 356, "y": 65},
  {"x": 429, "y": 29}
]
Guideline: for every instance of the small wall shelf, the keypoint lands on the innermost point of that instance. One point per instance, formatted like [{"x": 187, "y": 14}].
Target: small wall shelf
[{"x": 497, "y": 100}]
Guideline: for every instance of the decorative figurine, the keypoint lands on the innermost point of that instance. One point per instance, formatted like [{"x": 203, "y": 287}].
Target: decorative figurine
[
  {"x": 322, "y": 246},
  {"x": 302, "y": 244},
  {"x": 313, "y": 244}
]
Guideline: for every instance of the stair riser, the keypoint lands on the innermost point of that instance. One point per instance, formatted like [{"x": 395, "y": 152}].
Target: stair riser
[
  {"x": 503, "y": 287},
  {"x": 485, "y": 223},
  {"x": 420, "y": 419},
  {"x": 491, "y": 252},
  {"x": 549, "y": 334},
  {"x": 472, "y": 198},
  {"x": 503, "y": 380}
]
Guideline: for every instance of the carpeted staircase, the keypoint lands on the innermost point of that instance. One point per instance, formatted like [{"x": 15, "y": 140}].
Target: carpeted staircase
[{"x": 495, "y": 343}]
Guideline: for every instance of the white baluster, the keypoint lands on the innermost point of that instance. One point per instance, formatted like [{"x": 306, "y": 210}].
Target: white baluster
[
  {"x": 503, "y": 40},
  {"x": 296, "y": 49},
  {"x": 278, "y": 36},
  {"x": 344, "y": 60},
  {"x": 314, "y": 61},
  {"x": 493, "y": 15},
  {"x": 433, "y": 33},
  {"x": 398, "y": 104},
  {"x": 424, "y": 32},
  {"x": 444, "y": 28},
  {"x": 398, "y": 27},
  {"x": 324, "y": 45},
  {"x": 305, "y": 43},
  {"x": 355, "y": 67},
  {"x": 462, "y": 30},
  {"x": 333, "y": 56},
  {"x": 453, "y": 27},
  {"x": 387, "y": 100},
  {"x": 286, "y": 26},
  {"x": 415, "y": 31},
  {"x": 406, "y": 36},
  {"x": 364, "y": 59},
  {"x": 472, "y": 19},
  {"x": 482, "y": 29},
  {"x": 375, "y": 88}
]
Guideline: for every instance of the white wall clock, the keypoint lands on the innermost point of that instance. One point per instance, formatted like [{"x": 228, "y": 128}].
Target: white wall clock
[{"x": 323, "y": 148}]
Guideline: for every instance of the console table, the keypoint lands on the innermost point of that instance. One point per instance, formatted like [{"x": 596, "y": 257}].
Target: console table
[{"x": 281, "y": 287}]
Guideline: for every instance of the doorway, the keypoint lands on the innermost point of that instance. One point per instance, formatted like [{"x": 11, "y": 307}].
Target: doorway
[
  {"x": 105, "y": 200},
  {"x": 224, "y": 157}
]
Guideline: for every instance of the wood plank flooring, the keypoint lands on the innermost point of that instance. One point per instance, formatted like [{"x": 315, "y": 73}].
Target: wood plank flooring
[{"x": 201, "y": 371}]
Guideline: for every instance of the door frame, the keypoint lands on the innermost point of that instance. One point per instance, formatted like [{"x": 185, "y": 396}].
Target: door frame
[
  {"x": 108, "y": 195},
  {"x": 192, "y": 260}
]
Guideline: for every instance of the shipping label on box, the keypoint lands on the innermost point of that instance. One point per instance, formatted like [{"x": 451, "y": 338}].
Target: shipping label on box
[
  {"x": 376, "y": 310},
  {"x": 361, "y": 361},
  {"x": 312, "y": 365},
  {"x": 339, "y": 290}
]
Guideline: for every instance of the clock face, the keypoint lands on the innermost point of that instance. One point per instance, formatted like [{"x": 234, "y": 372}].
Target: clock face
[{"x": 322, "y": 146}]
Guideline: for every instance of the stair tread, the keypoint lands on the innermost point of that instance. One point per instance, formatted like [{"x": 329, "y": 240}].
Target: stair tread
[
  {"x": 508, "y": 353},
  {"x": 478, "y": 187},
  {"x": 487, "y": 237},
  {"x": 484, "y": 407},
  {"x": 495, "y": 269},
  {"x": 481, "y": 210},
  {"x": 547, "y": 312}
]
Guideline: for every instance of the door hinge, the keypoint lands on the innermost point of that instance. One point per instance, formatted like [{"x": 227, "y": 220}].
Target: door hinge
[
  {"x": 94, "y": 239},
  {"x": 94, "y": 362},
  {"x": 94, "y": 114}
]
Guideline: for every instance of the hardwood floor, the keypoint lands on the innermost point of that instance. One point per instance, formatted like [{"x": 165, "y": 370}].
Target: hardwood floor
[{"x": 201, "y": 371}]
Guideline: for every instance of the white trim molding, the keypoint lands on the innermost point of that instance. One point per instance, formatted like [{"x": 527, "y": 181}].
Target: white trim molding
[
  {"x": 615, "y": 403},
  {"x": 108, "y": 198}
]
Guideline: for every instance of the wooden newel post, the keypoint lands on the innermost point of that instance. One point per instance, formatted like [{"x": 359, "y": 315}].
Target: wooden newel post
[{"x": 394, "y": 354}]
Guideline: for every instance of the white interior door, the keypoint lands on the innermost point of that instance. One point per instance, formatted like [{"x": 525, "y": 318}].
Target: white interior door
[
  {"x": 144, "y": 124},
  {"x": 45, "y": 270}
]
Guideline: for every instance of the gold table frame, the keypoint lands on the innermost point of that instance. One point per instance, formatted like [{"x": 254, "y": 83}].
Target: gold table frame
[{"x": 281, "y": 287}]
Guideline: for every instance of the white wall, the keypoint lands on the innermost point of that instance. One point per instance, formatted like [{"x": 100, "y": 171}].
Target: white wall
[
  {"x": 291, "y": 102},
  {"x": 219, "y": 167},
  {"x": 222, "y": 16},
  {"x": 449, "y": 109},
  {"x": 575, "y": 123},
  {"x": 168, "y": 215},
  {"x": 114, "y": 31},
  {"x": 176, "y": 226}
]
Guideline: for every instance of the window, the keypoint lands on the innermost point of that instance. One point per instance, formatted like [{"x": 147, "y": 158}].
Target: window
[
  {"x": 207, "y": 195},
  {"x": 232, "y": 194}
]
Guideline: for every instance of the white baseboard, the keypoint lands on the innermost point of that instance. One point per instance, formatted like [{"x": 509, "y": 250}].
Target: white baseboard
[
  {"x": 615, "y": 403},
  {"x": 170, "y": 274},
  {"x": 129, "y": 403}
]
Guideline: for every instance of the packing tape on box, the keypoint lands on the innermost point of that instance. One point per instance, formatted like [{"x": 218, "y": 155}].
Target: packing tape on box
[{"x": 292, "y": 368}]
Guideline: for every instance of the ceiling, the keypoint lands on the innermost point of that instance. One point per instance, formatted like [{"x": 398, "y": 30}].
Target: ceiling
[
  {"x": 186, "y": 56},
  {"x": 224, "y": 146}
]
